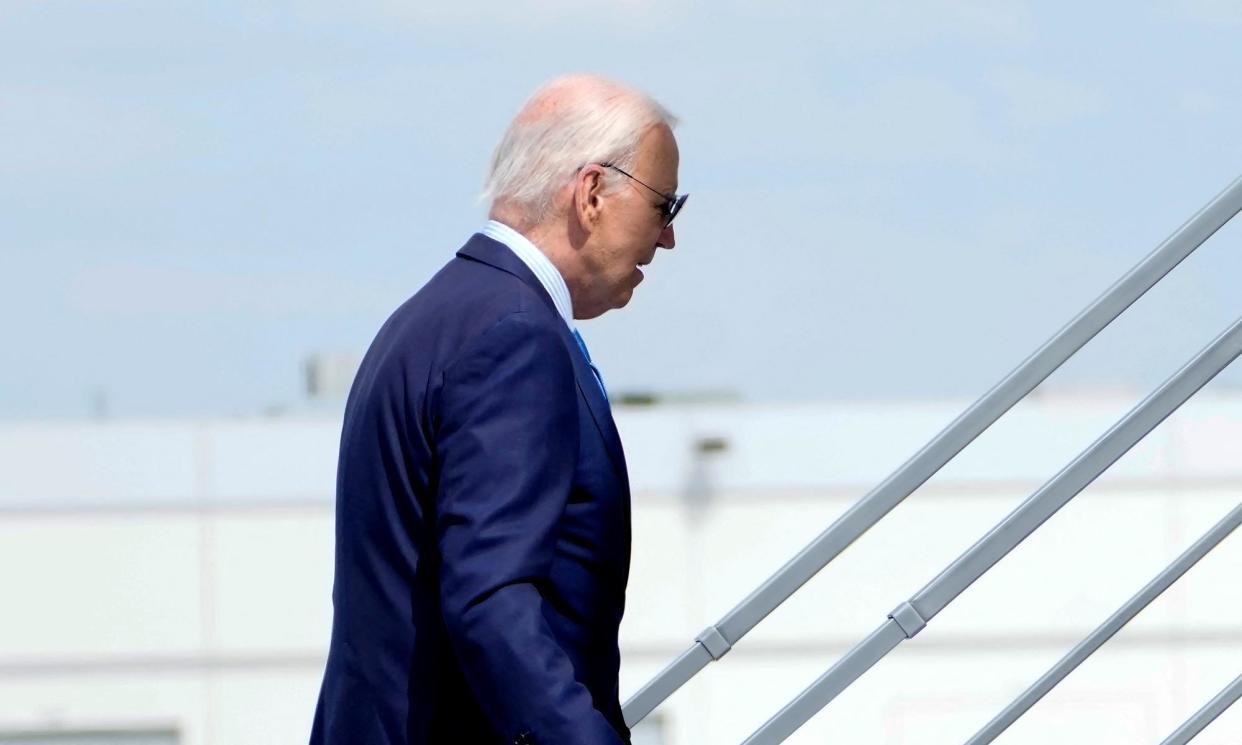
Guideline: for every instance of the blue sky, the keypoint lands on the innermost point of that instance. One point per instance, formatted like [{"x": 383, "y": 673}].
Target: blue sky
[{"x": 888, "y": 200}]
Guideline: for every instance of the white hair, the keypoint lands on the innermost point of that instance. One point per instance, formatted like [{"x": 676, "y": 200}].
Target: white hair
[{"x": 568, "y": 123}]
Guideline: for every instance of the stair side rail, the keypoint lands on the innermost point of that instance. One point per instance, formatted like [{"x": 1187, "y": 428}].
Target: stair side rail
[
  {"x": 716, "y": 640},
  {"x": 1106, "y": 630},
  {"x": 910, "y": 617},
  {"x": 1205, "y": 716}
]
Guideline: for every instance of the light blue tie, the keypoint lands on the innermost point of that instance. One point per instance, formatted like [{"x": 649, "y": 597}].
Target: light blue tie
[{"x": 598, "y": 377}]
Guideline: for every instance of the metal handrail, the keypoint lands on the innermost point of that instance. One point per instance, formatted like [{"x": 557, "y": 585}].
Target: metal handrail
[
  {"x": 912, "y": 616},
  {"x": 1105, "y": 631},
  {"x": 1205, "y": 716},
  {"x": 716, "y": 640}
]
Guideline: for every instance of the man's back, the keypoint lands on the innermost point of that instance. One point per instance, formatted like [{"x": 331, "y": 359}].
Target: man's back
[
  {"x": 483, "y": 507},
  {"x": 482, "y": 525}
]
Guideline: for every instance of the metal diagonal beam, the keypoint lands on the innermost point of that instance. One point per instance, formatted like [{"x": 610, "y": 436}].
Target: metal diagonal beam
[
  {"x": 910, "y": 617},
  {"x": 933, "y": 456},
  {"x": 1105, "y": 631},
  {"x": 1205, "y": 716}
]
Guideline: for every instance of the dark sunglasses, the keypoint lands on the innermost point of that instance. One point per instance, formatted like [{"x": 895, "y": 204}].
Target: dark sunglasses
[{"x": 672, "y": 203}]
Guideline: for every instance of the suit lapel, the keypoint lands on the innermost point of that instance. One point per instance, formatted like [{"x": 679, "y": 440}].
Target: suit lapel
[
  {"x": 601, "y": 411},
  {"x": 496, "y": 254}
]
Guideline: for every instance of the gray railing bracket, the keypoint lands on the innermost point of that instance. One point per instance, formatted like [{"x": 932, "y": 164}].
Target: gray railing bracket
[
  {"x": 714, "y": 642},
  {"x": 908, "y": 619}
]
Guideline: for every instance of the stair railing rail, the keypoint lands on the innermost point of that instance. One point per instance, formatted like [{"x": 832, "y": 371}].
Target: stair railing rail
[
  {"x": 1111, "y": 626},
  {"x": 1205, "y": 716},
  {"x": 716, "y": 640},
  {"x": 910, "y": 617}
]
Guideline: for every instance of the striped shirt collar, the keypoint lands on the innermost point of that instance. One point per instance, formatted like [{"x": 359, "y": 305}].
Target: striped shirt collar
[{"x": 539, "y": 264}]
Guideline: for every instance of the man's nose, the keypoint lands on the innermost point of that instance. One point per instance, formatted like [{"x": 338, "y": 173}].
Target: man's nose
[{"x": 667, "y": 239}]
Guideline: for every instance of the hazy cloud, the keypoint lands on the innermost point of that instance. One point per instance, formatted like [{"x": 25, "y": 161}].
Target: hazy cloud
[
  {"x": 75, "y": 130},
  {"x": 1224, "y": 13},
  {"x": 249, "y": 181},
  {"x": 901, "y": 25},
  {"x": 131, "y": 290},
  {"x": 856, "y": 25},
  {"x": 914, "y": 120},
  {"x": 1199, "y": 102},
  {"x": 1043, "y": 100},
  {"x": 501, "y": 16}
]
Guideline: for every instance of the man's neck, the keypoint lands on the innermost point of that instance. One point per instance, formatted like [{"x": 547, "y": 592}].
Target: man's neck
[
  {"x": 563, "y": 257},
  {"x": 552, "y": 243},
  {"x": 539, "y": 261}
]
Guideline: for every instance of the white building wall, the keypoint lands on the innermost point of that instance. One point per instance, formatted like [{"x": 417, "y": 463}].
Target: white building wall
[{"x": 177, "y": 575}]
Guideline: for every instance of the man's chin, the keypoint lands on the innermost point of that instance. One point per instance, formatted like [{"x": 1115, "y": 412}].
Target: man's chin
[{"x": 623, "y": 298}]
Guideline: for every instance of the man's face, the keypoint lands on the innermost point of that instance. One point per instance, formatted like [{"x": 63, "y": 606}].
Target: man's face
[{"x": 630, "y": 227}]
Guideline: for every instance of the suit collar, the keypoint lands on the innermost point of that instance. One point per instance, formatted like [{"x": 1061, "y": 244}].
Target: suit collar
[
  {"x": 496, "y": 254},
  {"x": 539, "y": 264}
]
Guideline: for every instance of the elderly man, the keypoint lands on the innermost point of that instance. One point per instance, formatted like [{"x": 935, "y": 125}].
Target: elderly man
[{"x": 483, "y": 507}]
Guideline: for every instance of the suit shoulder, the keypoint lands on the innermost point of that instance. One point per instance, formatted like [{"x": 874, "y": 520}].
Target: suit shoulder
[
  {"x": 459, "y": 304},
  {"x": 471, "y": 294}
]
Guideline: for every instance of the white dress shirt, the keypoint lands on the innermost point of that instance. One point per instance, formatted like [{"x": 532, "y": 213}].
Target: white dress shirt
[{"x": 539, "y": 264}]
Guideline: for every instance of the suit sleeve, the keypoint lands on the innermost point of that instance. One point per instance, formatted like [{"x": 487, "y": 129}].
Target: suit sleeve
[{"x": 507, "y": 446}]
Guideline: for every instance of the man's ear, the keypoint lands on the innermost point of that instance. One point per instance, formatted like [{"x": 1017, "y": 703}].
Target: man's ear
[{"x": 589, "y": 195}]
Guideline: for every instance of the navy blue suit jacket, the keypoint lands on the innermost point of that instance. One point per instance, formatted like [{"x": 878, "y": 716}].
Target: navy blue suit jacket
[{"x": 482, "y": 526}]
